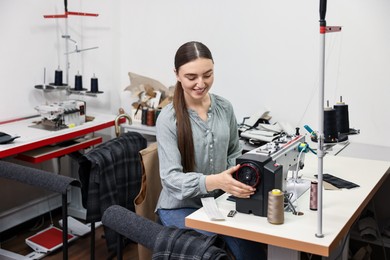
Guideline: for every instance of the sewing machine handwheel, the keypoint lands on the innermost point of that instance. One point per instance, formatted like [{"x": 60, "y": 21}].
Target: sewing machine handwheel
[{"x": 249, "y": 174}]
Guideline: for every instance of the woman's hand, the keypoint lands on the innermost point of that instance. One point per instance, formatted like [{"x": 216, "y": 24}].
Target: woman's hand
[{"x": 227, "y": 183}]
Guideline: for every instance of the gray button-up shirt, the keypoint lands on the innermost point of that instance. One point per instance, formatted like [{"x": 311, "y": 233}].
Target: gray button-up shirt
[{"x": 216, "y": 149}]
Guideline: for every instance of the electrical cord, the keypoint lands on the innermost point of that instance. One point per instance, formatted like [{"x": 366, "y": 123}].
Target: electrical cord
[
  {"x": 297, "y": 168},
  {"x": 39, "y": 224}
]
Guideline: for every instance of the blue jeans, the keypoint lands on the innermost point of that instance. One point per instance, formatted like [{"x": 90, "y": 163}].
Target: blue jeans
[{"x": 241, "y": 249}]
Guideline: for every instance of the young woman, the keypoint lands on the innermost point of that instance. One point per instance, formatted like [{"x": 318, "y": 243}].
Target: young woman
[{"x": 198, "y": 144}]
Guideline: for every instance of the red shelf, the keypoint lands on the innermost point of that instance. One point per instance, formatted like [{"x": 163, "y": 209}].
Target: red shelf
[{"x": 49, "y": 152}]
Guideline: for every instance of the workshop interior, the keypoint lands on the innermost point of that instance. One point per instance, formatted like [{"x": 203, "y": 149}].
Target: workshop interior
[{"x": 308, "y": 81}]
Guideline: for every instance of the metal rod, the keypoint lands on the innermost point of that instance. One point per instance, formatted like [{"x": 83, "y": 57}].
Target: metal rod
[
  {"x": 67, "y": 65},
  {"x": 320, "y": 138},
  {"x": 65, "y": 226}
]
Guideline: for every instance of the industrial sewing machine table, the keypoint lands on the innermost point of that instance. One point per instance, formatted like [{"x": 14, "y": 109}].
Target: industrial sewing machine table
[{"x": 297, "y": 234}]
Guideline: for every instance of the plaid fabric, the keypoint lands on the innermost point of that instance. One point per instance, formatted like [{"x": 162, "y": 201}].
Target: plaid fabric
[
  {"x": 181, "y": 244},
  {"x": 111, "y": 175}
]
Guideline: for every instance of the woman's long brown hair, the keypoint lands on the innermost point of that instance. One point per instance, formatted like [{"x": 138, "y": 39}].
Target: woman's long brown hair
[{"x": 187, "y": 52}]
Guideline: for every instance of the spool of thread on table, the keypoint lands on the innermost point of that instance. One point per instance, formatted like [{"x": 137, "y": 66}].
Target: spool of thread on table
[
  {"x": 275, "y": 211},
  {"x": 342, "y": 116},
  {"x": 144, "y": 115},
  {"x": 78, "y": 82},
  {"x": 313, "y": 195},
  {"x": 58, "y": 77},
  {"x": 150, "y": 120},
  {"x": 330, "y": 124}
]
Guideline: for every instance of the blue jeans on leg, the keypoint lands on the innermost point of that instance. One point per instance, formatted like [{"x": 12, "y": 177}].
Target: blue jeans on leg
[{"x": 241, "y": 249}]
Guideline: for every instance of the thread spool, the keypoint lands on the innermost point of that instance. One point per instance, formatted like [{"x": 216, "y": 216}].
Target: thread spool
[
  {"x": 150, "y": 120},
  {"x": 342, "y": 122},
  {"x": 313, "y": 195},
  {"x": 144, "y": 115},
  {"x": 78, "y": 82},
  {"x": 275, "y": 211},
  {"x": 58, "y": 77},
  {"x": 330, "y": 125},
  {"x": 95, "y": 85}
]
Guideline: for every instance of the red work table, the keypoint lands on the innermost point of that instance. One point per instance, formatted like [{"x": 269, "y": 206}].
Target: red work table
[{"x": 35, "y": 144}]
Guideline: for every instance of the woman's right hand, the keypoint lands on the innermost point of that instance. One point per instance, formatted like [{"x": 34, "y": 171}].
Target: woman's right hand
[{"x": 227, "y": 183}]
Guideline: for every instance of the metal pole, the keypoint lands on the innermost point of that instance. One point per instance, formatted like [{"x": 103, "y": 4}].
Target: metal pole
[
  {"x": 320, "y": 140},
  {"x": 66, "y": 43},
  {"x": 67, "y": 53},
  {"x": 65, "y": 226}
]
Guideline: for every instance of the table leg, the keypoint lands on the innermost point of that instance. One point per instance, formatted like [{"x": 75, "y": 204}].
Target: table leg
[
  {"x": 277, "y": 253},
  {"x": 76, "y": 208},
  {"x": 341, "y": 251}
]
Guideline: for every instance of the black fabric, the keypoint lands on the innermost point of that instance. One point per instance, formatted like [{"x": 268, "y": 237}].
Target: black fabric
[
  {"x": 111, "y": 175},
  {"x": 84, "y": 173},
  {"x": 338, "y": 182}
]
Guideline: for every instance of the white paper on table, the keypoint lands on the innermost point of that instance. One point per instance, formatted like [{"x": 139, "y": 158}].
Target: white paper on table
[{"x": 211, "y": 209}]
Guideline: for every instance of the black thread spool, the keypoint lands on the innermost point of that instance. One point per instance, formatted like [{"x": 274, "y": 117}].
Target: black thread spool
[
  {"x": 58, "y": 77},
  {"x": 342, "y": 116},
  {"x": 78, "y": 82},
  {"x": 144, "y": 115},
  {"x": 330, "y": 125},
  {"x": 95, "y": 86}
]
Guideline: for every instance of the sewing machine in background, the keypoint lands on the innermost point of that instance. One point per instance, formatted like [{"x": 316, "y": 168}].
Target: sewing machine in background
[
  {"x": 61, "y": 115},
  {"x": 266, "y": 168}
]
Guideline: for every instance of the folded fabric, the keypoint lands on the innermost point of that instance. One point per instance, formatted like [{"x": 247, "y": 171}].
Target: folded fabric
[
  {"x": 367, "y": 228},
  {"x": 338, "y": 182},
  {"x": 386, "y": 229}
]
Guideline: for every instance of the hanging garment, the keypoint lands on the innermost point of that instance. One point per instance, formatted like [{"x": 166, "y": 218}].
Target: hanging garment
[{"x": 111, "y": 175}]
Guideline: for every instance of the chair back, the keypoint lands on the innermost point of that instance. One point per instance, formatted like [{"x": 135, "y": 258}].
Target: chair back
[{"x": 146, "y": 200}]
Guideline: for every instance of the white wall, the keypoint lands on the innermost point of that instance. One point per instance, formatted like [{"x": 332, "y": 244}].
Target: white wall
[
  {"x": 266, "y": 54},
  {"x": 30, "y": 43}
]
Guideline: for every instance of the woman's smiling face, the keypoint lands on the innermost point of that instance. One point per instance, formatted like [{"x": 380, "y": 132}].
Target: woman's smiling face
[{"x": 196, "y": 78}]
